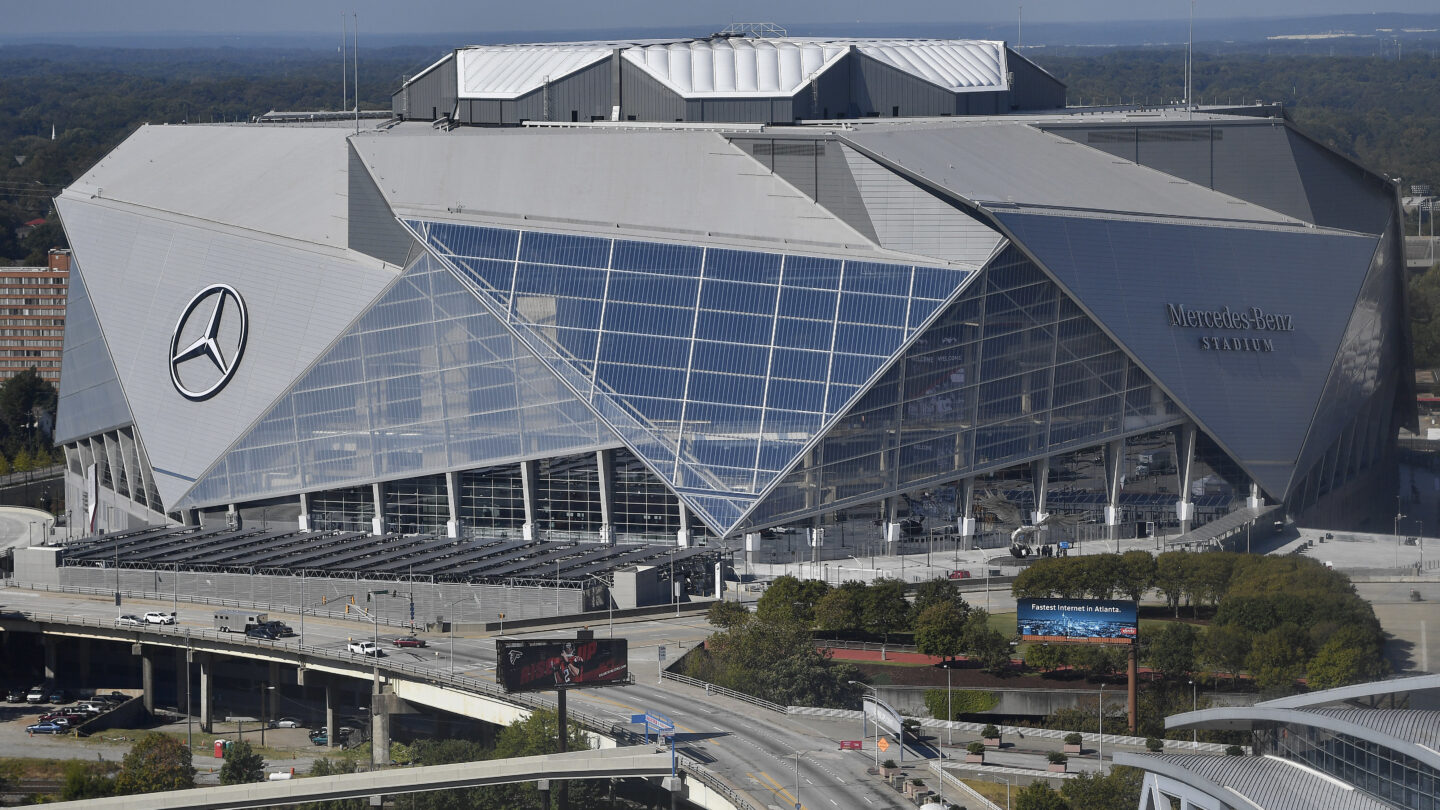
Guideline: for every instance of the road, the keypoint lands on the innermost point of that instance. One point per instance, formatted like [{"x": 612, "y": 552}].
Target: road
[{"x": 752, "y": 749}]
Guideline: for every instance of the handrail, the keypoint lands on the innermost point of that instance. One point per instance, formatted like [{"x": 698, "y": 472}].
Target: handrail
[
  {"x": 713, "y": 782},
  {"x": 954, "y": 781}
]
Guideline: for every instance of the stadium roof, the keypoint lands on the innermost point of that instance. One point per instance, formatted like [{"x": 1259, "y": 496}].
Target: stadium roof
[
  {"x": 1266, "y": 782},
  {"x": 728, "y": 67}
]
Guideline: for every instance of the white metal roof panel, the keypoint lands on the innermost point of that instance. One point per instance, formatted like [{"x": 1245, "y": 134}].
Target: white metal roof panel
[
  {"x": 1268, "y": 783},
  {"x": 956, "y": 65},
  {"x": 511, "y": 71},
  {"x": 1018, "y": 165},
  {"x": 738, "y": 67},
  {"x": 285, "y": 181},
  {"x": 691, "y": 186}
]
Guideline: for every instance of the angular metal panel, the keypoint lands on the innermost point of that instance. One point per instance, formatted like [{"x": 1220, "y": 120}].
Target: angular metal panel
[
  {"x": 143, "y": 270},
  {"x": 1251, "y": 384},
  {"x": 425, "y": 381},
  {"x": 91, "y": 399},
  {"x": 373, "y": 229}
]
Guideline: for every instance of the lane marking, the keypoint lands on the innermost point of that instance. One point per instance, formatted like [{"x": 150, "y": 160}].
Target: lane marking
[{"x": 780, "y": 790}]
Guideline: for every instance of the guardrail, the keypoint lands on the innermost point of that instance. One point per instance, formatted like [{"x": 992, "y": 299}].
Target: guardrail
[
  {"x": 712, "y": 689},
  {"x": 713, "y": 782},
  {"x": 972, "y": 795}
]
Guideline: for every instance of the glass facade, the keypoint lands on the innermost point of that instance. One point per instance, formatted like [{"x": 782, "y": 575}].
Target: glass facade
[
  {"x": 716, "y": 366},
  {"x": 350, "y": 509},
  {"x": 1012, "y": 371},
  {"x": 567, "y": 494},
  {"x": 643, "y": 505},
  {"x": 426, "y": 381},
  {"x": 1376, "y": 769},
  {"x": 491, "y": 499},
  {"x": 416, "y": 505}
]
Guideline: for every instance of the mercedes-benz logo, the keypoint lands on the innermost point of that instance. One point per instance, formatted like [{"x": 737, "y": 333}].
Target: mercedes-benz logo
[{"x": 222, "y": 342}]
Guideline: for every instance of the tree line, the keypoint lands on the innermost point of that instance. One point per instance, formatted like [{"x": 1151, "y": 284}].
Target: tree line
[{"x": 1277, "y": 618}]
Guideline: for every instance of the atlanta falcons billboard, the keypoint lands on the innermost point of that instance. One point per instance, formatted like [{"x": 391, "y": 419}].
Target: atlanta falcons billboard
[{"x": 541, "y": 665}]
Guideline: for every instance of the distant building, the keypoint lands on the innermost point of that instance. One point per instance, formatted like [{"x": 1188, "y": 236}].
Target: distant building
[
  {"x": 32, "y": 317},
  {"x": 29, "y": 227},
  {"x": 1353, "y": 748}
]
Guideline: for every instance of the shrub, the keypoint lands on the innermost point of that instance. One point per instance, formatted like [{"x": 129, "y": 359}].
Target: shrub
[
  {"x": 1057, "y": 758},
  {"x": 990, "y": 732},
  {"x": 1074, "y": 738},
  {"x": 1234, "y": 751},
  {"x": 889, "y": 763},
  {"x": 1154, "y": 745},
  {"x": 917, "y": 782},
  {"x": 975, "y": 748}
]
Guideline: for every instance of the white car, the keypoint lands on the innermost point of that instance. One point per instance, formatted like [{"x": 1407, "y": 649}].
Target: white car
[
  {"x": 363, "y": 648},
  {"x": 156, "y": 617},
  {"x": 130, "y": 620}
]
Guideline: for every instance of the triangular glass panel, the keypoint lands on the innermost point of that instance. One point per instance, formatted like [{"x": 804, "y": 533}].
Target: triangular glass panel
[
  {"x": 1012, "y": 370},
  {"x": 716, "y": 366},
  {"x": 425, "y": 381}
]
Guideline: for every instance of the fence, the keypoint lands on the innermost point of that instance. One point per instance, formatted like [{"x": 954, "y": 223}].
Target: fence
[{"x": 970, "y": 794}]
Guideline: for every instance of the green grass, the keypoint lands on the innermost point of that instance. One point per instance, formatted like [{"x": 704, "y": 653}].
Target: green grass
[{"x": 204, "y": 743}]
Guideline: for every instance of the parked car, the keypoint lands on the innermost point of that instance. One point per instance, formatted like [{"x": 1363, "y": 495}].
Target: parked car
[
  {"x": 15, "y": 696},
  {"x": 364, "y": 648},
  {"x": 157, "y": 617},
  {"x": 408, "y": 641},
  {"x": 91, "y": 708},
  {"x": 75, "y": 718},
  {"x": 286, "y": 722},
  {"x": 320, "y": 737},
  {"x": 46, "y": 728},
  {"x": 261, "y": 631},
  {"x": 52, "y": 717},
  {"x": 58, "y": 696},
  {"x": 129, "y": 620},
  {"x": 35, "y": 695}
]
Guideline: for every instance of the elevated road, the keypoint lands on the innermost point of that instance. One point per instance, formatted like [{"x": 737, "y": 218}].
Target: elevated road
[
  {"x": 574, "y": 765},
  {"x": 746, "y": 754}
]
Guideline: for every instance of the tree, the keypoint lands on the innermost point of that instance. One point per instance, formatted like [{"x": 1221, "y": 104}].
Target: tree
[
  {"x": 84, "y": 781},
  {"x": 155, "y": 763},
  {"x": 1172, "y": 577},
  {"x": 1098, "y": 574},
  {"x": 1045, "y": 657},
  {"x": 726, "y": 615},
  {"x": 885, "y": 607},
  {"x": 1275, "y": 659},
  {"x": 790, "y": 599},
  {"x": 1343, "y": 660},
  {"x": 332, "y": 767},
  {"x": 1173, "y": 649},
  {"x": 1119, "y": 790},
  {"x": 1039, "y": 796},
  {"x": 27, "y": 410},
  {"x": 842, "y": 609},
  {"x": 1224, "y": 648},
  {"x": 1425, "y": 319},
  {"x": 1136, "y": 574},
  {"x": 241, "y": 765},
  {"x": 940, "y": 630},
  {"x": 938, "y": 591}
]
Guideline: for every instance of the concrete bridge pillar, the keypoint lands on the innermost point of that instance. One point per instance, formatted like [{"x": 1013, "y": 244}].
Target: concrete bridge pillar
[
  {"x": 147, "y": 677},
  {"x": 52, "y": 654},
  {"x": 272, "y": 695},
  {"x": 82, "y": 666},
  {"x": 207, "y": 690},
  {"x": 332, "y": 701},
  {"x": 182, "y": 683},
  {"x": 379, "y": 730}
]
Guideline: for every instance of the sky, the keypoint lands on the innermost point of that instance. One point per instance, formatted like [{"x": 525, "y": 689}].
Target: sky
[{"x": 29, "y": 17}]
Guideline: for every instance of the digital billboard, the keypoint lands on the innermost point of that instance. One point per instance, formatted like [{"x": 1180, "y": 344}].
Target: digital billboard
[
  {"x": 1096, "y": 621},
  {"x": 539, "y": 665}
]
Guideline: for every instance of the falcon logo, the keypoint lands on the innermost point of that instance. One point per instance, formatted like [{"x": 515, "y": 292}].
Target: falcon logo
[{"x": 208, "y": 342}]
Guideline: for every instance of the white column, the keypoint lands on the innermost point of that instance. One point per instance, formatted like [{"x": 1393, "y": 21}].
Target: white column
[
  {"x": 1040, "y": 486},
  {"x": 1256, "y": 499},
  {"x": 304, "y": 512},
  {"x": 682, "y": 537},
  {"x": 1184, "y": 473},
  {"x": 964, "y": 508},
  {"x": 452, "y": 500},
  {"x": 377, "y": 494},
  {"x": 892, "y": 523},
  {"x": 527, "y": 486},
  {"x": 1114, "y": 478},
  {"x": 605, "y": 463}
]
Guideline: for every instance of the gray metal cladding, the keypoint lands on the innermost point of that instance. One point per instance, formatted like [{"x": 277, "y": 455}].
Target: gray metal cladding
[
  {"x": 1240, "y": 325},
  {"x": 645, "y": 99},
  {"x": 1341, "y": 193},
  {"x": 91, "y": 400},
  {"x": 909, "y": 218},
  {"x": 1033, "y": 88},
  {"x": 373, "y": 229},
  {"x": 431, "y": 96},
  {"x": 878, "y": 90},
  {"x": 584, "y": 95},
  {"x": 817, "y": 168}
]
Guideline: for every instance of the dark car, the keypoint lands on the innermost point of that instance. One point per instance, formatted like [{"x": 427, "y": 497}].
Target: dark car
[
  {"x": 58, "y": 696},
  {"x": 319, "y": 737},
  {"x": 408, "y": 641},
  {"x": 15, "y": 696},
  {"x": 262, "y": 631},
  {"x": 46, "y": 728},
  {"x": 280, "y": 629}
]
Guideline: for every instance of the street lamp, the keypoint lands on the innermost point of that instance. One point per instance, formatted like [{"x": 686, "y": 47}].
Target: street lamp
[
  {"x": 863, "y": 733},
  {"x": 1194, "y": 705},
  {"x": 1100, "y": 741},
  {"x": 1398, "y": 516},
  {"x": 1007, "y": 782}
]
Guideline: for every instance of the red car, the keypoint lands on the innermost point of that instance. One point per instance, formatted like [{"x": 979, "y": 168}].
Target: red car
[{"x": 408, "y": 641}]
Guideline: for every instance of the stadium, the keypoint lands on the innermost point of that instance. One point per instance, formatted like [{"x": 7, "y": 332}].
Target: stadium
[{"x": 724, "y": 292}]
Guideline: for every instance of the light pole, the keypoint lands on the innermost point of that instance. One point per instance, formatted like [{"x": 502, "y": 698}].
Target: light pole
[
  {"x": 1006, "y": 780},
  {"x": 1194, "y": 705},
  {"x": 1100, "y": 741},
  {"x": 797, "y": 779},
  {"x": 863, "y": 733},
  {"x": 1397, "y": 530}
]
